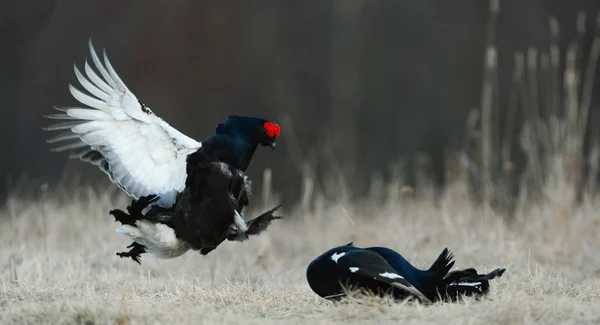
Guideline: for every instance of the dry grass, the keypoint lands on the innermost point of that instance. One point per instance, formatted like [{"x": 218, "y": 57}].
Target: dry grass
[{"x": 58, "y": 265}]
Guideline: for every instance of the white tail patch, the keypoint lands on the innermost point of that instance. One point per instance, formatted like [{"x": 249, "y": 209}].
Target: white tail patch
[
  {"x": 466, "y": 284},
  {"x": 159, "y": 239},
  {"x": 353, "y": 269},
  {"x": 391, "y": 275}
]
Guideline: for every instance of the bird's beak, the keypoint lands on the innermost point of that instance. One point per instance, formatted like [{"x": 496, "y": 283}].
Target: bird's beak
[{"x": 272, "y": 145}]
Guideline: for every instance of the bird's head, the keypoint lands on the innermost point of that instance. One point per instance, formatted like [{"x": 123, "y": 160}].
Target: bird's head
[
  {"x": 268, "y": 133},
  {"x": 257, "y": 130}
]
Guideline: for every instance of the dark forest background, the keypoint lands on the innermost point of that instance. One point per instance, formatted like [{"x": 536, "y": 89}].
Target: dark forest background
[{"x": 356, "y": 85}]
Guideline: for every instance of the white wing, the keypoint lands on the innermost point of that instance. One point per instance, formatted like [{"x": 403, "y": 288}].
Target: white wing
[{"x": 138, "y": 151}]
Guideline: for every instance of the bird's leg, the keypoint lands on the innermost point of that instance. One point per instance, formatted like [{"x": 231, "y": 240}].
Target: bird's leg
[
  {"x": 260, "y": 223},
  {"x": 254, "y": 226},
  {"x": 135, "y": 209},
  {"x": 242, "y": 199},
  {"x": 134, "y": 252},
  {"x": 237, "y": 230}
]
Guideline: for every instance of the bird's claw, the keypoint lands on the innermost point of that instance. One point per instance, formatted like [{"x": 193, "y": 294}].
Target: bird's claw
[
  {"x": 135, "y": 258},
  {"x": 135, "y": 252},
  {"x": 136, "y": 206},
  {"x": 120, "y": 215},
  {"x": 274, "y": 209},
  {"x": 260, "y": 223}
]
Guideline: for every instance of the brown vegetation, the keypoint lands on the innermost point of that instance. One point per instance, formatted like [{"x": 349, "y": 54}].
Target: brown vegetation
[{"x": 59, "y": 264}]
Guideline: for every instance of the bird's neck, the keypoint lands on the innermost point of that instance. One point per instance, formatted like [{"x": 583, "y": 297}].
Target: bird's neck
[{"x": 235, "y": 150}]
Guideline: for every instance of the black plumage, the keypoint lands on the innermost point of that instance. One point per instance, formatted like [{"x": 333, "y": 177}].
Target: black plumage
[
  {"x": 140, "y": 152},
  {"x": 208, "y": 210},
  {"x": 381, "y": 271},
  {"x": 206, "y": 213},
  {"x": 235, "y": 141},
  {"x": 158, "y": 165}
]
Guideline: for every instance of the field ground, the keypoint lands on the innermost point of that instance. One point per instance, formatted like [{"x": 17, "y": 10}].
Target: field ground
[{"x": 58, "y": 266}]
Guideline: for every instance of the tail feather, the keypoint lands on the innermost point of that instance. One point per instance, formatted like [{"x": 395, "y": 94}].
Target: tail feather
[
  {"x": 460, "y": 275},
  {"x": 469, "y": 283},
  {"x": 443, "y": 263},
  {"x": 471, "y": 275},
  {"x": 158, "y": 239}
]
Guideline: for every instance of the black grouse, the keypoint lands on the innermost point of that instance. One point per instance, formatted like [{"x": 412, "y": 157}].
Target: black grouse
[
  {"x": 207, "y": 212},
  {"x": 137, "y": 149},
  {"x": 381, "y": 271},
  {"x": 140, "y": 152}
]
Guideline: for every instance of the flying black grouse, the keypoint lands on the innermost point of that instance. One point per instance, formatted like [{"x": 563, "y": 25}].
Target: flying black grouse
[
  {"x": 206, "y": 213},
  {"x": 140, "y": 152},
  {"x": 380, "y": 271}
]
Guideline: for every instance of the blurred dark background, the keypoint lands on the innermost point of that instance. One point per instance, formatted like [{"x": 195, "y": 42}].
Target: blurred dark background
[{"x": 363, "y": 83}]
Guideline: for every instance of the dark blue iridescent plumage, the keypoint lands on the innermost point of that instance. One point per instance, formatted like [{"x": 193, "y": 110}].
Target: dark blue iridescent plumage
[{"x": 381, "y": 270}]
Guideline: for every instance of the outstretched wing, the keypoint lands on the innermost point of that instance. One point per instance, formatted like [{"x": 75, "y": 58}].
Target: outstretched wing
[{"x": 139, "y": 151}]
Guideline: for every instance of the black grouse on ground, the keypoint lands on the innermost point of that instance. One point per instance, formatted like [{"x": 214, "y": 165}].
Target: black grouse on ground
[
  {"x": 142, "y": 153},
  {"x": 381, "y": 271}
]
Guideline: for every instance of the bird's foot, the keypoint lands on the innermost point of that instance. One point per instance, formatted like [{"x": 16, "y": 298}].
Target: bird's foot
[
  {"x": 260, "y": 223},
  {"x": 122, "y": 217},
  {"x": 134, "y": 252},
  {"x": 254, "y": 226},
  {"x": 136, "y": 207}
]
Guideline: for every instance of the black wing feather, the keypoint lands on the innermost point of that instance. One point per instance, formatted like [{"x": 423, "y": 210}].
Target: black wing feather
[{"x": 371, "y": 265}]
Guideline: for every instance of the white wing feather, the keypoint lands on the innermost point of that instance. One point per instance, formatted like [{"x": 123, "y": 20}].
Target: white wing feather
[{"x": 138, "y": 150}]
